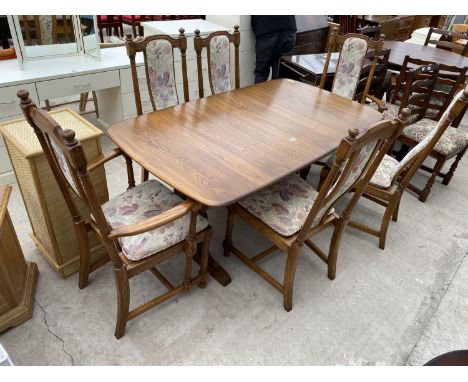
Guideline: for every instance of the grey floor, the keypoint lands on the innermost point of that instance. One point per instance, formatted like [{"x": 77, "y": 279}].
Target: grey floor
[{"x": 401, "y": 306}]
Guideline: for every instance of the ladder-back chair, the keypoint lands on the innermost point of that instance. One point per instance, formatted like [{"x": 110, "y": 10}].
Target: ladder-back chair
[
  {"x": 218, "y": 49},
  {"x": 447, "y": 41},
  {"x": 291, "y": 212},
  {"x": 139, "y": 228}
]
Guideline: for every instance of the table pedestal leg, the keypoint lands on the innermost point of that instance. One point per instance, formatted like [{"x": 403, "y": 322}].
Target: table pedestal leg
[{"x": 215, "y": 270}]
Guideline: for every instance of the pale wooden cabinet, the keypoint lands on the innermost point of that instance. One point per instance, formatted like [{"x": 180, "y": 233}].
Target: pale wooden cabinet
[
  {"x": 18, "y": 277},
  {"x": 52, "y": 224}
]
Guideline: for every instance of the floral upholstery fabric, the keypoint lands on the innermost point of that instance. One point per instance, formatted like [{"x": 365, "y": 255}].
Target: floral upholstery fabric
[
  {"x": 384, "y": 174},
  {"x": 161, "y": 77},
  {"x": 450, "y": 143},
  {"x": 341, "y": 187},
  {"x": 219, "y": 64},
  {"x": 349, "y": 67},
  {"x": 45, "y": 23},
  {"x": 284, "y": 206},
  {"x": 141, "y": 203},
  {"x": 62, "y": 162}
]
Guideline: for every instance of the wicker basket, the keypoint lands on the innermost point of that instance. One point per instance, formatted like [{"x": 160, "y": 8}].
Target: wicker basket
[{"x": 52, "y": 224}]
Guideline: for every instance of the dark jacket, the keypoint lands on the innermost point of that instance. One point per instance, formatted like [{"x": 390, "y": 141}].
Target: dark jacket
[{"x": 268, "y": 24}]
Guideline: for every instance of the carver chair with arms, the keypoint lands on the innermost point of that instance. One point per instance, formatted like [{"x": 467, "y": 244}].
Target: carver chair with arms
[
  {"x": 291, "y": 212},
  {"x": 158, "y": 53},
  {"x": 392, "y": 176},
  {"x": 218, "y": 49},
  {"x": 140, "y": 228}
]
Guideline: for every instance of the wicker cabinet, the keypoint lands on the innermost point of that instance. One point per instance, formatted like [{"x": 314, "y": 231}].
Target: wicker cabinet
[
  {"x": 52, "y": 224},
  {"x": 17, "y": 277}
]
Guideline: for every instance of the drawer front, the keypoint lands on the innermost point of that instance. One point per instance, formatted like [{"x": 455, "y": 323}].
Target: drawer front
[
  {"x": 9, "y": 102},
  {"x": 75, "y": 85},
  {"x": 126, "y": 85}
]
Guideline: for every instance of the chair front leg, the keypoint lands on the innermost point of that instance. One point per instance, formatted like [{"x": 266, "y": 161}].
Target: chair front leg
[
  {"x": 453, "y": 167},
  {"x": 123, "y": 300},
  {"x": 204, "y": 260},
  {"x": 289, "y": 273},
  {"x": 435, "y": 171}
]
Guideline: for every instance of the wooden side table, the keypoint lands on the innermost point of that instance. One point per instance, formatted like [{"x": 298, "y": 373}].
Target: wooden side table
[
  {"x": 17, "y": 277},
  {"x": 53, "y": 231}
]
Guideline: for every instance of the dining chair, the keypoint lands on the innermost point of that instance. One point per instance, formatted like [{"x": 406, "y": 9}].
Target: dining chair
[
  {"x": 140, "y": 228},
  {"x": 387, "y": 185},
  {"x": 353, "y": 48},
  {"x": 291, "y": 212},
  {"x": 158, "y": 54},
  {"x": 218, "y": 49},
  {"x": 447, "y": 41},
  {"x": 413, "y": 89},
  {"x": 376, "y": 88}
]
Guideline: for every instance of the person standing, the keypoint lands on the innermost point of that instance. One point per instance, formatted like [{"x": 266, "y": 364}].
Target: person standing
[{"x": 275, "y": 37}]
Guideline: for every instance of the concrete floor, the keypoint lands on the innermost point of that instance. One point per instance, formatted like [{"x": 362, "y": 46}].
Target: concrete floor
[{"x": 401, "y": 306}]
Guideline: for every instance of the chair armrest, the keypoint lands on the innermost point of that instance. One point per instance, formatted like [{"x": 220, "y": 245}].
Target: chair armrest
[
  {"x": 380, "y": 103},
  {"x": 100, "y": 160},
  {"x": 156, "y": 221}
]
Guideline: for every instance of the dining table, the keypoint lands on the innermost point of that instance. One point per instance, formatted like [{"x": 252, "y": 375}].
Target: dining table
[
  {"x": 219, "y": 149},
  {"x": 400, "y": 49}
]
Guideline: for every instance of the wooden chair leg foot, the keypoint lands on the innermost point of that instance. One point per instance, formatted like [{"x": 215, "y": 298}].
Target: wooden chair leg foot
[
  {"x": 424, "y": 194},
  {"x": 123, "y": 301},
  {"x": 227, "y": 247}
]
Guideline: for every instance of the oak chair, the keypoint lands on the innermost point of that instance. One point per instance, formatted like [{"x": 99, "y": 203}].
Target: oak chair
[
  {"x": 158, "y": 53},
  {"x": 291, "y": 212},
  {"x": 376, "y": 85},
  {"x": 139, "y": 228},
  {"x": 447, "y": 40},
  {"x": 413, "y": 89},
  {"x": 353, "y": 48},
  {"x": 392, "y": 176},
  {"x": 217, "y": 45}
]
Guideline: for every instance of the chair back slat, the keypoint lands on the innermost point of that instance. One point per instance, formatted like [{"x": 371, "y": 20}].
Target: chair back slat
[
  {"x": 377, "y": 80},
  {"x": 447, "y": 40},
  {"x": 218, "y": 50},
  {"x": 158, "y": 54}
]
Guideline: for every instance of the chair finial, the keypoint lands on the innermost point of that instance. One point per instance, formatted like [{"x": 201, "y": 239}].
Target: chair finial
[
  {"x": 236, "y": 28},
  {"x": 128, "y": 37},
  {"x": 181, "y": 32},
  {"x": 69, "y": 136},
  {"x": 197, "y": 32},
  {"x": 405, "y": 114},
  {"x": 23, "y": 94},
  {"x": 352, "y": 134}
]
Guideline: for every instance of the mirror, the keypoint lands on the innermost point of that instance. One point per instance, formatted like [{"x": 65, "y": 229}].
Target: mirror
[
  {"x": 46, "y": 35},
  {"x": 90, "y": 42}
]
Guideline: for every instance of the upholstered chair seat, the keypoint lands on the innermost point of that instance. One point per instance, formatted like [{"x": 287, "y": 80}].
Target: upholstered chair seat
[
  {"x": 452, "y": 142},
  {"x": 141, "y": 203},
  {"x": 383, "y": 176},
  {"x": 284, "y": 206}
]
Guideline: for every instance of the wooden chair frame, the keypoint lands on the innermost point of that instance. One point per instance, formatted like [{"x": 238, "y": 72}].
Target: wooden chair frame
[
  {"x": 380, "y": 70},
  {"x": 383, "y": 133},
  {"x": 446, "y": 40},
  {"x": 390, "y": 197},
  {"x": 414, "y": 87},
  {"x": 204, "y": 42},
  {"x": 336, "y": 42},
  {"x": 139, "y": 44},
  {"x": 47, "y": 130}
]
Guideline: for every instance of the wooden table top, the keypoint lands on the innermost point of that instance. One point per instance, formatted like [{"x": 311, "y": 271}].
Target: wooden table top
[
  {"x": 399, "y": 49},
  {"x": 219, "y": 149}
]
